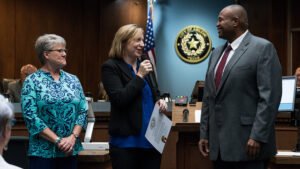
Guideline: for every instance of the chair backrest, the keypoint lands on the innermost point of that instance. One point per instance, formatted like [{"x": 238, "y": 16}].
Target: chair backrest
[
  {"x": 5, "y": 82},
  {"x": 197, "y": 92},
  {"x": 16, "y": 153}
]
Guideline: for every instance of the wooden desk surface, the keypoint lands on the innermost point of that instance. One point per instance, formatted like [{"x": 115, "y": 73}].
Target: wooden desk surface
[{"x": 177, "y": 115}]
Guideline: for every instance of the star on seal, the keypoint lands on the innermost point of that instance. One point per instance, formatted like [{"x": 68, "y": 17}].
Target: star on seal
[{"x": 193, "y": 44}]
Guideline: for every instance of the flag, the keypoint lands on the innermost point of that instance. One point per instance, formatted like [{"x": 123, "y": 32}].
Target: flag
[{"x": 149, "y": 38}]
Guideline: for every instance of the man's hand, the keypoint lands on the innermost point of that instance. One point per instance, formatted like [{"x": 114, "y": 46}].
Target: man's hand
[
  {"x": 253, "y": 148},
  {"x": 203, "y": 147}
]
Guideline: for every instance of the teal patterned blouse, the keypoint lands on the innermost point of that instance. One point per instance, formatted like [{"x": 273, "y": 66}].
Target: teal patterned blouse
[{"x": 58, "y": 105}]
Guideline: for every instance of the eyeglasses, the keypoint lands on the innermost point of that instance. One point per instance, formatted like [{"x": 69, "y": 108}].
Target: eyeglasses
[{"x": 59, "y": 50}]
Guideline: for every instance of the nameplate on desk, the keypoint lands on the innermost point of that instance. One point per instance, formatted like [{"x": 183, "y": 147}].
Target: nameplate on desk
[
  {"x": 95, "y": 145},
  {"x": 288, "y": 153}
]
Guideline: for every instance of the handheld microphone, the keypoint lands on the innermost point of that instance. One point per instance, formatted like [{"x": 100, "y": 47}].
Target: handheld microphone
[{"x": 152, "y": 77}]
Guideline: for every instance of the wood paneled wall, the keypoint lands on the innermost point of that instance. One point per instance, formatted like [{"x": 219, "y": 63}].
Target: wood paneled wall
[
  {"x": 277, "y": 21},
  {"x": 89, "y": 27},
  {"x": 268, "y": 19}
]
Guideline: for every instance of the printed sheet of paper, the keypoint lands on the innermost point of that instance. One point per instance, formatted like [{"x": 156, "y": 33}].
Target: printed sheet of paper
[
  {"x": 158, "y": 129},
  {"x": 197, "y": 116}
]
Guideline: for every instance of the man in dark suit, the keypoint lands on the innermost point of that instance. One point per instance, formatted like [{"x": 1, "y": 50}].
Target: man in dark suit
[{"x": 241, "y": 97}]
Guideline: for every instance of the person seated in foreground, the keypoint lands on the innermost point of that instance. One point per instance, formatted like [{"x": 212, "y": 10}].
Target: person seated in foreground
[{"x": 6, "y": 123}]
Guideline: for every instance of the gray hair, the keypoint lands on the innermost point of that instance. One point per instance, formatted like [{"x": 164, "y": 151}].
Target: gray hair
[
  {"x": 46, "y": 42},
  {"x": 6, "y": 114}
]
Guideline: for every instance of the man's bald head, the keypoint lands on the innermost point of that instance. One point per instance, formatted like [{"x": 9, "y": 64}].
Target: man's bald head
[{"x": 239, "y": 13}]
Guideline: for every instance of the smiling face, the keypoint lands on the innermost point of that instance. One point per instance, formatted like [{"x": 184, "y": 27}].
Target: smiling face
[
  {"x": 225, "y": 24},
  {"x": 135, "y": 46},
  {"x": 232, "y": 22},
  {"x": 56, "y": 57}
]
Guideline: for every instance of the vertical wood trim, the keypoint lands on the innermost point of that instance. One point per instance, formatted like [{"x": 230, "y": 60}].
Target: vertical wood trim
[{"x": 289, "y": 65}]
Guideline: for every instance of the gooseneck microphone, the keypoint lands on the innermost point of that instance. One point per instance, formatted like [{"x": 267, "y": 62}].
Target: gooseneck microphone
[{"x": 185, "y": 113}]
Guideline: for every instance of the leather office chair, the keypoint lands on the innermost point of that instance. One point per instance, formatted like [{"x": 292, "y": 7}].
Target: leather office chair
[
  {"x": 5, "y": 82},
  {"x": 197, "y": 93}
]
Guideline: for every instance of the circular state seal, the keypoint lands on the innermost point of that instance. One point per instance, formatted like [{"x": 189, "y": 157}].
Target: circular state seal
[{"x": 193, "y": 44}]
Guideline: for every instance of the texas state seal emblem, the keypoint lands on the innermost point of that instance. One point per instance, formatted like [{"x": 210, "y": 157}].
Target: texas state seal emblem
[{"x": 193, "y": 44}]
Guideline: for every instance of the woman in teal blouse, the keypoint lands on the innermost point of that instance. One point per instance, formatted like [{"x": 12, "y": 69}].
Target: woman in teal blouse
[{"x": 54, "y": 108}]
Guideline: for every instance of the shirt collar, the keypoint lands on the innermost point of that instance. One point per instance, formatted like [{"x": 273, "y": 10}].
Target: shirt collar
[
  {"x": 236, "y": 43},
  {"x": 137, "y": 65},
  {"x": 61, "y": 72}
]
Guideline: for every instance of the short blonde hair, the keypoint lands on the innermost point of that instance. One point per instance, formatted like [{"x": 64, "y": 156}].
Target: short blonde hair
[{"x": 122, "y": 36}]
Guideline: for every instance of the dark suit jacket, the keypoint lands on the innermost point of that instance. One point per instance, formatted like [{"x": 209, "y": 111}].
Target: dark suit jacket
[
  {"x": 246, "y": 103},
  {"x": 125, "y": 95}
]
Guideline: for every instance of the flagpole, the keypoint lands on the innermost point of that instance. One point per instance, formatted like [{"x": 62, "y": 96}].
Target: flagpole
[
  {"x": 149, "y": 40},
  {"x": 151, "y": 8}
]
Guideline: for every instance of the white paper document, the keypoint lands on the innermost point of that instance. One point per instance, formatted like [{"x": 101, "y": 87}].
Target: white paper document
[
  {"x": 197, "y": 116},
  {"x": 158, "y": 129}
]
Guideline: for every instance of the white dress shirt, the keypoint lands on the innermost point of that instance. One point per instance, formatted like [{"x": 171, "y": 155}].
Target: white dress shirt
[
  {"x": 5, "y": 165},
  {"x": 234, "y": 45}
]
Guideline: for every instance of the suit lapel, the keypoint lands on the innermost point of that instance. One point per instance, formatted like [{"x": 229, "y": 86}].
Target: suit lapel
[
  {"x": 234, "y": 59},
  {"x": 123, "y": 67},
  {"x": 214, "y": 60}
]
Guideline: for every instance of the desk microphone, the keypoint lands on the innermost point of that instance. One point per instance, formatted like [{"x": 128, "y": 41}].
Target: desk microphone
[{"x": 185, "y": 115}]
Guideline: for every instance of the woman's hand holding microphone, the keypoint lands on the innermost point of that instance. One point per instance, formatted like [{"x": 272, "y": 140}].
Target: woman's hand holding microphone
[{"x": 145, "y": 68}]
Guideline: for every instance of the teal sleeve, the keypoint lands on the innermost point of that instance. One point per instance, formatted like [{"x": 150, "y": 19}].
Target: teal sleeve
[
  {"x": 30, "y": 108},
  {"x": 82, "y": 109}
]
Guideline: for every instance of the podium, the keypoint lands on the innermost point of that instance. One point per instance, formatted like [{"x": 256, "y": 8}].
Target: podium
[{"x": 188, "y": 155}]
